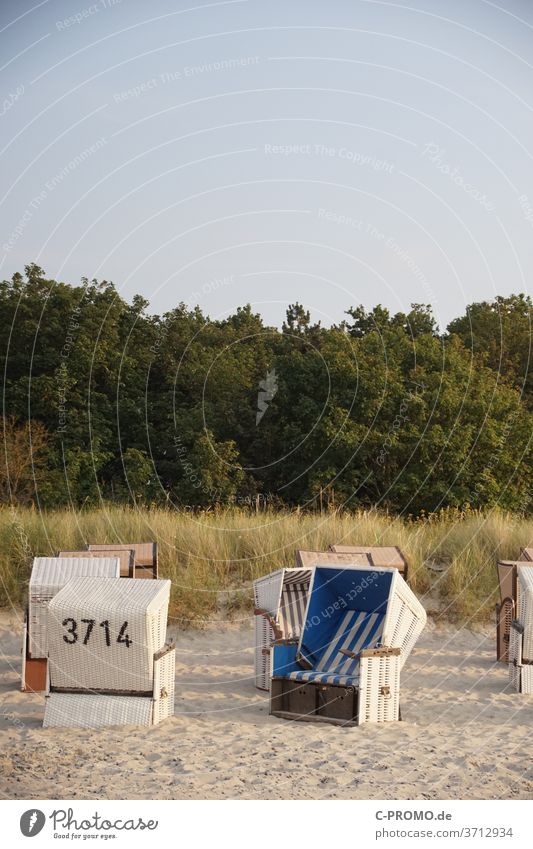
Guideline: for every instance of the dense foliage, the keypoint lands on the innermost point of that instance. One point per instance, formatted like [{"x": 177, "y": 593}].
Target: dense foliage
[{"x": 102, "y": 400}]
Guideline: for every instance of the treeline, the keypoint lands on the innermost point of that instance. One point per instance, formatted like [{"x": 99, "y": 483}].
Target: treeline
[{"x": 104, "y": 401}]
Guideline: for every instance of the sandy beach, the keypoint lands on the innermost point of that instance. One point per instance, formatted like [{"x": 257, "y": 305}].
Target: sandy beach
[{"x": 464, "y": 734}]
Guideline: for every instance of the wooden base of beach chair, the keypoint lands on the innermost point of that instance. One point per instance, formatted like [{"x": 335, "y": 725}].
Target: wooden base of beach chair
[
  {"x": 34, "y": 677},
  {"x": 314, "y": 702}
]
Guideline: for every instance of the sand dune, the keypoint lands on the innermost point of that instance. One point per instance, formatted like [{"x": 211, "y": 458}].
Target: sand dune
[{"x": 464, "y": 733}]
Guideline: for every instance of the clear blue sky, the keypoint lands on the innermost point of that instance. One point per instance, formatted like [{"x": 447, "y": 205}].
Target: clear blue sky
[{"x": 230, "y": 152}]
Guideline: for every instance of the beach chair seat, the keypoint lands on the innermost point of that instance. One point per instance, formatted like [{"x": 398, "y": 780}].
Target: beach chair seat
[
  {"x": 345, "y": 667},
  {"x": 339, "y": 661}
]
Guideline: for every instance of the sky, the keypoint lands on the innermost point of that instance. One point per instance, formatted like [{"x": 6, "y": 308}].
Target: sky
[{"x": 236, "y": 152}]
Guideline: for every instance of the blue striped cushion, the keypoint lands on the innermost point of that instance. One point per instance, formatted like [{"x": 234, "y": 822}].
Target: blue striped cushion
[
  {"x": 357, "y": 630},
  {"x": 325, "y": 678}
]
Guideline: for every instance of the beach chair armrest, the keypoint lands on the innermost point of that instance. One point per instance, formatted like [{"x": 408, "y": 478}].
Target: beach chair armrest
[
  {"x": 278, "y": 633},
  {"x": 349, "y": 653},
  {"x": 164, "y": 671},
  {"x": 382, "y": 651}
]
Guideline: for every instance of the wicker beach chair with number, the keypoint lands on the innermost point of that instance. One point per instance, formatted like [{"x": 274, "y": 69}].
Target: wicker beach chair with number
[
  {"x": 109, "y": 662},
  {"x": 360, "y": 627},
  {"x": 521, "y": 634},
  {"x": 145, "y": 554},
  {"x": 49, "y": 575}
]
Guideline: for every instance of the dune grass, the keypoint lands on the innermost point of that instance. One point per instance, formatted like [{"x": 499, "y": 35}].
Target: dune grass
[{"x": 212, "y": 558}]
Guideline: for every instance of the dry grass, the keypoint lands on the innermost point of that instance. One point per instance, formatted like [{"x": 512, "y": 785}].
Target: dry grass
[{"x": 212, "y": 558}]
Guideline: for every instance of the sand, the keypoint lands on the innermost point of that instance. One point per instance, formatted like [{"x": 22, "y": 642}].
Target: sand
[{"x": 464, "y": 734}]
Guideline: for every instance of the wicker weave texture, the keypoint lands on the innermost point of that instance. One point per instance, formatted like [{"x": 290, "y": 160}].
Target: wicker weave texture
[
  {"x": 514, "y": 677},
  {"x": 90, "y": 711},
  {"x": 525, "y": 608},
  {"x": 263, "y": 639},
  {"x": 526, "y": 683},
  {"x": 379, "y": 689},
  {"x": 117, "y": 651},
  {"x": 49, "y": 575},
  {"x": 405, "y": 619}
]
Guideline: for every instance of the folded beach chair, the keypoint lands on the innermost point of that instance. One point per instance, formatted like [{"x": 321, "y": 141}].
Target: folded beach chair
[
  {"x": 126, "y": 557},
  {"x": 521, "y": 634},
  {"x": 526, "y": 554},
  {"x": 384, "y": 556},
  {"x": 308, "y": 559},
  {"x": 109, "y": 662},
  {"x": 360, "y": 626},
  {"x": 49, "y": 575},
  {"x": 145, "y": 554}
]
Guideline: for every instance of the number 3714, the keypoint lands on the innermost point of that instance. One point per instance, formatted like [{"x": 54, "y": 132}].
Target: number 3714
[{"x": 72, "y": 636}]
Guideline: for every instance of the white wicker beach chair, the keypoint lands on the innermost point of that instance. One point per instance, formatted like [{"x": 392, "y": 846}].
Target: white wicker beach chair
[
  {"x": 521, "y": 634},
  {"x": 107, "y": 640},
  {"x": 49, "y": 575},
  {"x": 146, "y": 557},
  {"x": 126, "y": 557},
  {"x": 360, "y": 626},
  {"x": 281, "y": 597}
]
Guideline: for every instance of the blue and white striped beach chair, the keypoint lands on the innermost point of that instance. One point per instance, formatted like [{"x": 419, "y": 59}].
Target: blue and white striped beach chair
[{"x": 360, "y": 626}]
